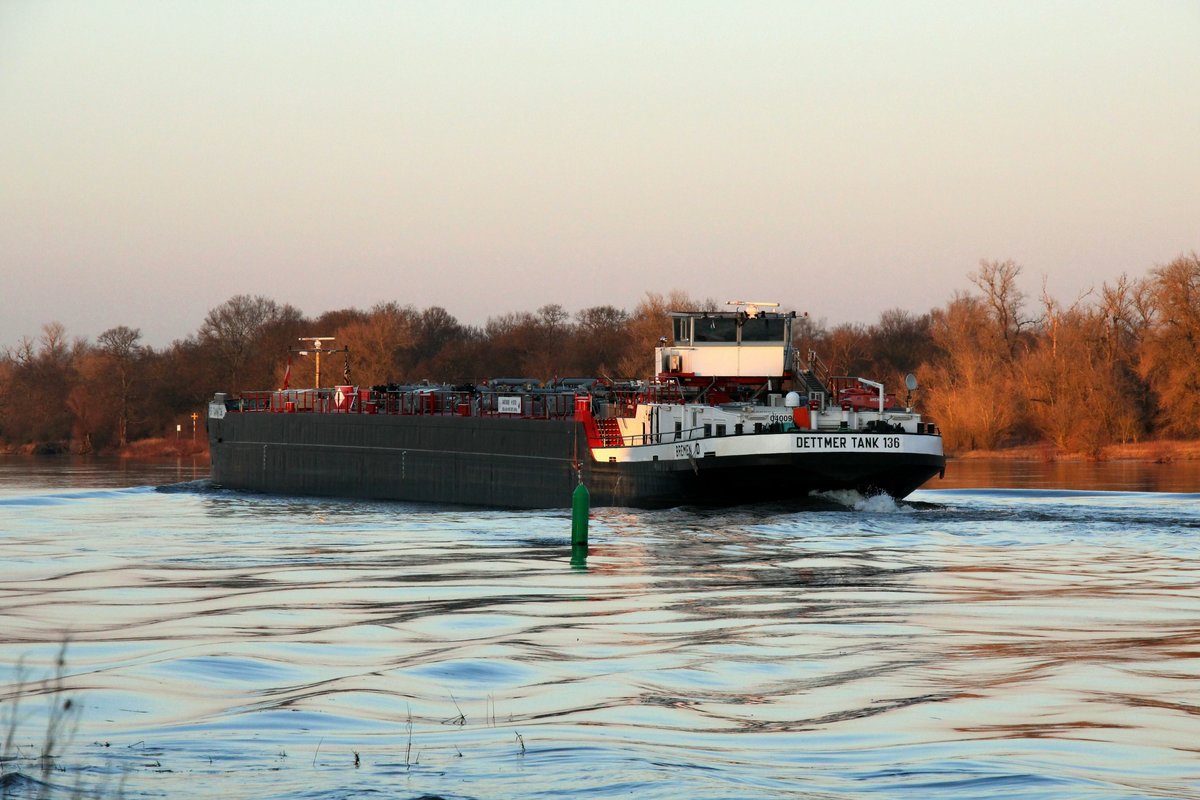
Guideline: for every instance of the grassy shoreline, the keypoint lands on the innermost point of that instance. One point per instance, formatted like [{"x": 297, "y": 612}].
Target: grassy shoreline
[
  {"x": 152, "y": 449},
  {"x": 1159, "y": 451}
]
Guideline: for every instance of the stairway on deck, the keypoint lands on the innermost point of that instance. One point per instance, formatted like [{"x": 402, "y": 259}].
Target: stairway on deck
[
  {"x": 610, "y": 432},
  {"x": 812, "y": 384}
]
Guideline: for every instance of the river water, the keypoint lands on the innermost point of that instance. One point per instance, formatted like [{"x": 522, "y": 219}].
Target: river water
[{"x": 1008, "y": 634}]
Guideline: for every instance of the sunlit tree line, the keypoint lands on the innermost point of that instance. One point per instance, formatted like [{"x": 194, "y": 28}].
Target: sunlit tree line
[{"x": 1119, "y": 363}]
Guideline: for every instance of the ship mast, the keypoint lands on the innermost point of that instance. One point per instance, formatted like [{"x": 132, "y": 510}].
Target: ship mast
[{"x": 316, "y": 349}]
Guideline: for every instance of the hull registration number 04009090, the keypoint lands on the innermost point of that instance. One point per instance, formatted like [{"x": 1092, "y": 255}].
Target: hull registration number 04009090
[{"x": 847, "y": 441}]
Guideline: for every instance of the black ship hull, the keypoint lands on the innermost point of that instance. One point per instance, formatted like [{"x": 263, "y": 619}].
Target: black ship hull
[{"x": 519, "y": 463}]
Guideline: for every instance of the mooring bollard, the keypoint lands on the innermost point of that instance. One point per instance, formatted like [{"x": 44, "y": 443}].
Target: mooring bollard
[{"x": 581, "y": 501}]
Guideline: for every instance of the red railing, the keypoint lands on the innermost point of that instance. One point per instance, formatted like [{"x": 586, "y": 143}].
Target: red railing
[{"x": 422, "y": 402}]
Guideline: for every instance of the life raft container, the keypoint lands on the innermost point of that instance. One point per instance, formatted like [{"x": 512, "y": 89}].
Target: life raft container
[{"x": 857, "y": 399}]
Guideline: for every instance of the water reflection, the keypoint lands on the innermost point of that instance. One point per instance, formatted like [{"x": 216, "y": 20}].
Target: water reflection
[
  {"x": 62, "y": 472},
  {"x": 1124, "y": 476},
  {"x": 1019, "y": 642}
]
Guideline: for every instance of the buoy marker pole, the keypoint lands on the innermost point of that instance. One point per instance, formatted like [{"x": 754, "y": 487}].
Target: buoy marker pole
[{"x": 581, "y": 501}]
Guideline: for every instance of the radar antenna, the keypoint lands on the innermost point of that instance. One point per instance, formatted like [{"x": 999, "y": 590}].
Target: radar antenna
[{"x": 752, "y": 308}]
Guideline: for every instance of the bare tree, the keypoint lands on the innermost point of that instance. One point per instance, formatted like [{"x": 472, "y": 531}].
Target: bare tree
[
  {"x": 1073, "y": 389},
  {"x": 601, "y": 339},
  {"x": 513, "y": 343},
  {"x": 648, "y": 322},
  {"x": 122, "y": 348},
  {"x": 8, "y": 370},
  {"x": 444, "y": 348},
  {"x": 39, "y": 382},
  {"x": 54, "y": 341},
  {"x": 1170, "y": 354},
  {"x": 997, "y": 280},
  {"x": 900, "y": 342},
  {"x": 548, "y": 350},
  {"x": 92, "y": 402},
  {"x": 377, "y": 342},
  {"x": 969, "y": 385},
  {"x": 232, "y": 331},
  {"x": 847, "y": 349},
  {"x": 1125, "y": 321}
]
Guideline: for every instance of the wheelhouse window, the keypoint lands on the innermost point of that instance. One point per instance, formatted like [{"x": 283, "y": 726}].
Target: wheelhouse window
[
  {"x": 729, "y": 328},
  {"x": 764, "y": 329},
  {"x": 716, "y": 329},
  {"x": 683, "y": 330}
]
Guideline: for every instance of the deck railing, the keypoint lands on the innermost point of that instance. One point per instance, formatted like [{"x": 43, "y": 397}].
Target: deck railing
[{"x": 408, "y": 402}]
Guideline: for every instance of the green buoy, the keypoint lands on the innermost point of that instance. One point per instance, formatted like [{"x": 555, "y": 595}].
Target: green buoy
[{"x": 581, "y": 501}]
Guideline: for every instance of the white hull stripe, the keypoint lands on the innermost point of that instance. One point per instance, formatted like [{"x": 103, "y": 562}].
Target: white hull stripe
[{"x": 761, "y": 444}]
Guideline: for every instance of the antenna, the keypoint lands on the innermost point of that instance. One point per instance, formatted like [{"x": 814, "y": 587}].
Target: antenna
[
  {"x": 316, "y": 349},
  {"x": 910, "y": 382},
  {"x": 752, "y": 307}
]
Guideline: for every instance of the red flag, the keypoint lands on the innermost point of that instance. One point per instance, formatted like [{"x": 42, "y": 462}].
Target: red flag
[{"x": 287, "y": 374}]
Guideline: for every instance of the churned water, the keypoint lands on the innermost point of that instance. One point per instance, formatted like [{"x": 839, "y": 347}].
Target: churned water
[{"x": 970, "y": 642}]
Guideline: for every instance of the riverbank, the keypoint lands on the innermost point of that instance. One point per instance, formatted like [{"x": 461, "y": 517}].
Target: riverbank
[
  {"x": 144, "y": 449},
  {"x": 1156, "y": 452},
  {"x": 140, "y": 450}
]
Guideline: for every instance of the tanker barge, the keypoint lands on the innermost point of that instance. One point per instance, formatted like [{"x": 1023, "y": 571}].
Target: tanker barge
[{"x": 733, "y": 415}]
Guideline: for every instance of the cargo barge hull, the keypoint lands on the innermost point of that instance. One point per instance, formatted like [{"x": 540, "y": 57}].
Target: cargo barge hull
[{"x": 535, "y": 463}]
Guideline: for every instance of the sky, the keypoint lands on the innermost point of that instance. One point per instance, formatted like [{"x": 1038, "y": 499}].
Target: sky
[{"x": 840, "y": 158}]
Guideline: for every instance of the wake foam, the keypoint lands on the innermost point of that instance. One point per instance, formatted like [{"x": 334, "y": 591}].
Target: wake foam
[
  {"x": 199, "y": 485},
  {"x": 874, "y": 503},
  {"x": 59, "y": 498}
]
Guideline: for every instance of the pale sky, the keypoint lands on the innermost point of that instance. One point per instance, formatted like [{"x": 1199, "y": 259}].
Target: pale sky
[{"x": 841, "y": 158}]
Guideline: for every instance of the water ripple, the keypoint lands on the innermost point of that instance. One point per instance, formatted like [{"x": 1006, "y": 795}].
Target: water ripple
[{"x": 973, "y": 642}]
